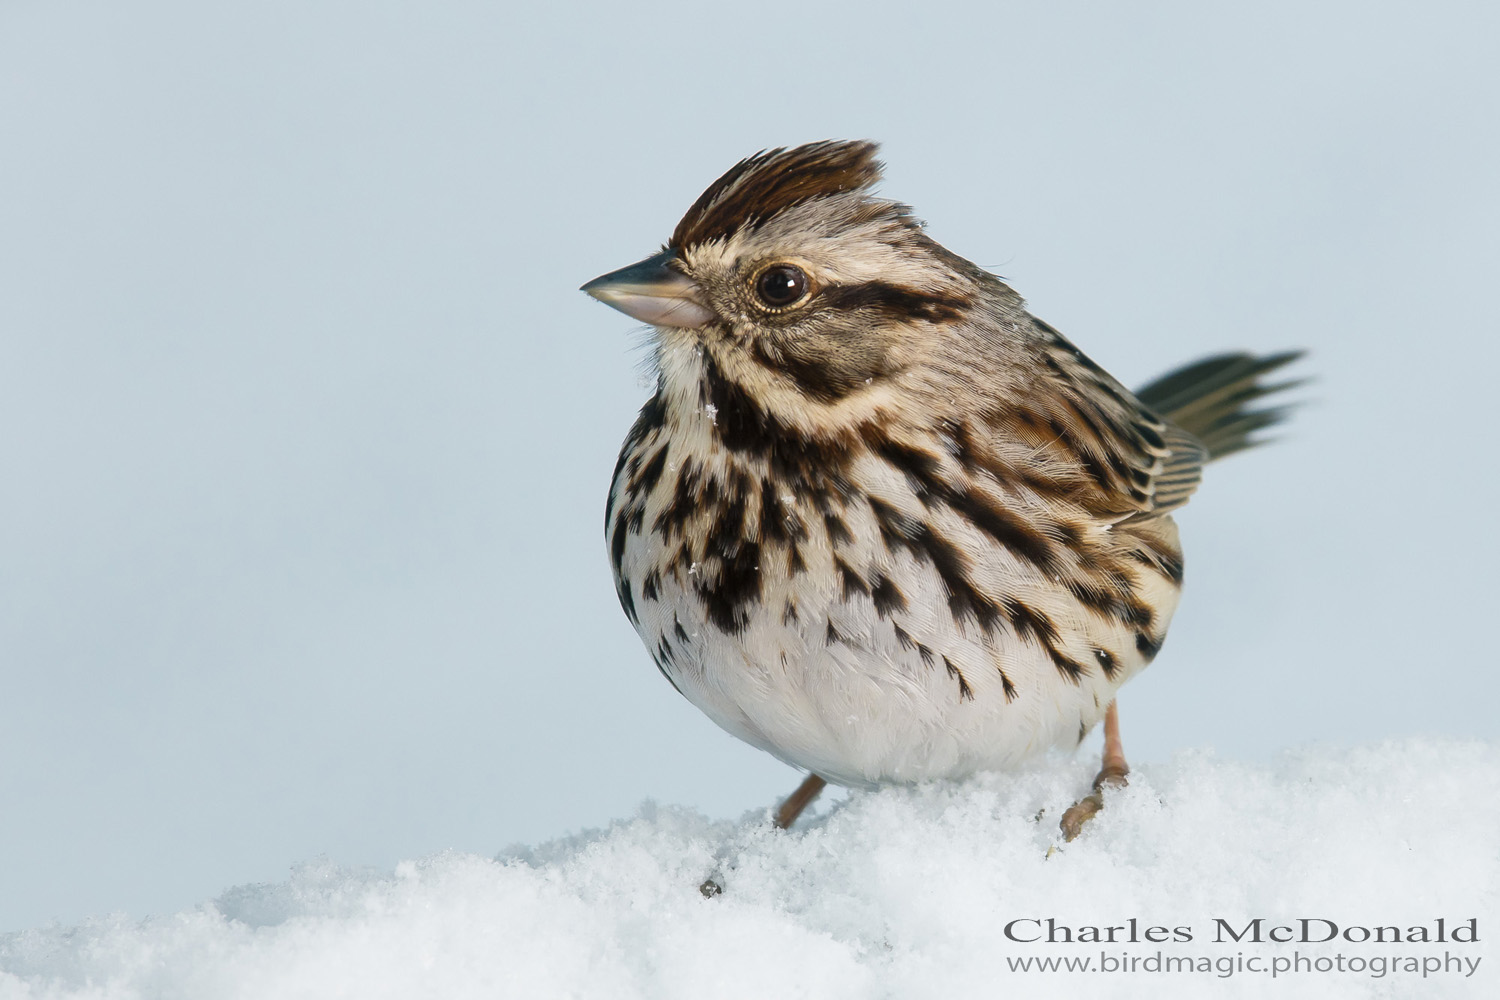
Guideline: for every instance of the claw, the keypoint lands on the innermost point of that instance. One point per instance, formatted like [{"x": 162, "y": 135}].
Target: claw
[{"x": 1111, "y": 775}]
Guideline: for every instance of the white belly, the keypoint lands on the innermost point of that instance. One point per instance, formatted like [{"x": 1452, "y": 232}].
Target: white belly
[{"x": 862, "y": 695}]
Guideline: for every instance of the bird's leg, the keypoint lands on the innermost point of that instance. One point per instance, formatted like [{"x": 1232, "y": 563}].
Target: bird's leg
[
  {"x": 785, "y": 816},
  {"x": 1111, "y": 774},
  {"x": 798, "y": 801}
]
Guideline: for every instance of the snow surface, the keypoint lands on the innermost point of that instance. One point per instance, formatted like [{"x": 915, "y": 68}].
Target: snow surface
[{"x": 899, "y": 893}]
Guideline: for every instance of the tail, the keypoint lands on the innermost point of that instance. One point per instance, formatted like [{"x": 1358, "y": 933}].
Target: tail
[{"x": 1211, "y": 399}]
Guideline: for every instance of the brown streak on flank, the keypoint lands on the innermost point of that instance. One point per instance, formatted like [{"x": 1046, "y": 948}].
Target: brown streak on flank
[
  {"x": 965, "y": 693},
  {"x": 994, "y": 518},
  {"x": 838, "y": 531},
  {"x": 645, "y": 481},
  {"x": 764, "y": 185},
  {"x": 973, "y": 457},
  {"x": 896, "y": 529},
  {"x": 1163, "y": 560},
  {"x": 833, "y": 635},
  {"x": 902, "y": 639},
  {"x": 1037, "y": 626},
  {"x": 1006, "y": 687},
  {"x": 852, "y": 582},
  {"x": 1003, "y": 525},
  {"x": 920, "y": 467},
  {"x": 1117, "y": 602}
]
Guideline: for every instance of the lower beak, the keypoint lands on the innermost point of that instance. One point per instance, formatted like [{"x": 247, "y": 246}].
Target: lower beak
[{"x": 653, "y": 293}]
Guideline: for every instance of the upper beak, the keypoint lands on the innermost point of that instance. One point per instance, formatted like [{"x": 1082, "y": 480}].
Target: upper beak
[{"x": 653, "y": 293}]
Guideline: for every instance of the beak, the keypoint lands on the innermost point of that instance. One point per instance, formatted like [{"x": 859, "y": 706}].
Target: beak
[{"x": 653, "y": 293}]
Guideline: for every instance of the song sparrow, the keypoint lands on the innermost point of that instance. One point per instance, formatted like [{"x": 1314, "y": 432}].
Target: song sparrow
[{"x": 878, "y": 520}]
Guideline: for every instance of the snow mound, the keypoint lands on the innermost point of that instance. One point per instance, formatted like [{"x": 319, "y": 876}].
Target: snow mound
[{"x": 934, "y": 891}]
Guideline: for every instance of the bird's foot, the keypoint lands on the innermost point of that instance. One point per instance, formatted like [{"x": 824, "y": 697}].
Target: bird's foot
[{"x": 1079, "y": 813}]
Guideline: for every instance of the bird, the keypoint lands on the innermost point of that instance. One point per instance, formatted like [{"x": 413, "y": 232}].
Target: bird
[{"x": 879, "y": 520}]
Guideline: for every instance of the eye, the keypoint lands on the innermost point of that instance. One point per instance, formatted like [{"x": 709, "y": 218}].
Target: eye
[{"x": 780, "y": 285}]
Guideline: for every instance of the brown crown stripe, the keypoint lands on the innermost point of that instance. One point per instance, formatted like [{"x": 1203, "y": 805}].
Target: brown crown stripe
[{"x": 764, "y": 185}]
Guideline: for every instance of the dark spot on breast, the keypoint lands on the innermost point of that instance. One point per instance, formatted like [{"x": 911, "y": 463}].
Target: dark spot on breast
[
  {"x": 852, "y": 582},
  {"x": 838, "y": 531},
  {"x": 728, "y": 596},
  {"x": 1147, "y": 646},
  {"x": 773, "y": 521},
  {"x": 887, "y": 596},
  {"x": 686, "y": 494},
  {"x": 646, "y": 480},
  {"x": 794, "y": 562},
  {"x": 617, "y": 544}
]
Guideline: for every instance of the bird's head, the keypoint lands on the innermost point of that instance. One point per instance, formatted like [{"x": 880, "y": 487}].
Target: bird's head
[{"x": 799, "y": 284}]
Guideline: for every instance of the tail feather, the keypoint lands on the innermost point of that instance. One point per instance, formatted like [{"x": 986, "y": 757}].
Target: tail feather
[{"x": 1211, "y": 399}]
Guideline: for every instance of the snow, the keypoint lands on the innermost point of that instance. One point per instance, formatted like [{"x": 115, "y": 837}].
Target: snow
[{"x": 905, "y": 892}]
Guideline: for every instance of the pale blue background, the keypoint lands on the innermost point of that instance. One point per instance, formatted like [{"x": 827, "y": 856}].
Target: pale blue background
[{"x": 305, "y": 430}]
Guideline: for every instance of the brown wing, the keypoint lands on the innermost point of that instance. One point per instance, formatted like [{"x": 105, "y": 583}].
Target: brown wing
[{"x": 1092, "y": 437}]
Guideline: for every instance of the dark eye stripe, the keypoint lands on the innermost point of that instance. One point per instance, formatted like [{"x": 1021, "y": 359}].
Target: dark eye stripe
[{"x": 894, "y": 301}]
